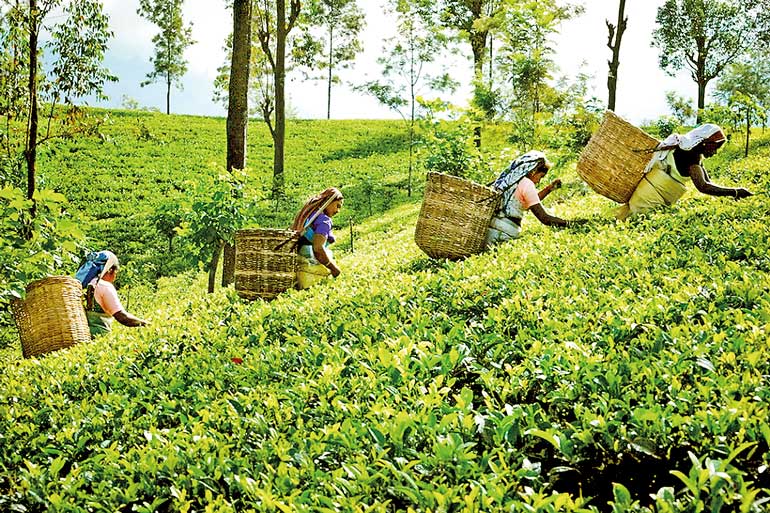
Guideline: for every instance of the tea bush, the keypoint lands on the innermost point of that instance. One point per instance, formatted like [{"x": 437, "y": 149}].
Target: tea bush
[{"x": 607, "y": 367}]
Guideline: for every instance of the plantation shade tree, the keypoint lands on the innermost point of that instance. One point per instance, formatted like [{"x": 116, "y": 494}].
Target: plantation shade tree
[
  {"x": 78, "y": 35},
  {"x": 329, "y": 40},
  {"x": 614, "y": 39},
  {"x": 470, "y": 21},
  {"x": 744, "y": 88},
  {"x": 261, "y": 92},
  {"x": 169, "y": 64},
  {"x": 705, "y": 36},
  {"x": 237, "y": 115},
  {"x": 417, "y": 42},
  {"x": 526, "y": 62},
  {"x": 274, "y": 25}
]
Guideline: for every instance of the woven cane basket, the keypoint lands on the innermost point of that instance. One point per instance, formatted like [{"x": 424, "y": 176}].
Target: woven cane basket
[
  {"x": 454, "y": 217},
  {"x": 51, "y": 316},
  {"x": 613, "y": 162},
  {"x": 265, "y": 262}
]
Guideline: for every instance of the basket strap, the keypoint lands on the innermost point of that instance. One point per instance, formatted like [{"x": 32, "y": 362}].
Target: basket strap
[{"x": 307, "y": 224}]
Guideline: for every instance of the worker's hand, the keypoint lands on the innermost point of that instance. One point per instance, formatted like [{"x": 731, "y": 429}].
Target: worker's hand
[
  {"x": 334, "y": 270},
  {"x": 576, "y": 222},
  {"x": 556, "y": 184},
  {"x": 740, "y": 192},
  {"x": 143, "y": 322}
]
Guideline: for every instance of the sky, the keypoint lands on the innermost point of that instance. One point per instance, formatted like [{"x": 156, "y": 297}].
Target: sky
[{"x": 580, "y": 47}]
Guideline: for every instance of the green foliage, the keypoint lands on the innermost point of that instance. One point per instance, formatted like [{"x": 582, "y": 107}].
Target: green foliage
[
  {"x": 169, "y": 64},
  {"x": 449, "y": 148},
  {"x": 215, "y": 211},
  {"x": 665, "y": 126},
  {"x": 528, "y": 378},
  {"x": 78, "y": 40},
  {"x": 704, "y": 37},
  {"x": 681, "y": 107},
  {"x": 32, "y": 248},
  {"x": 329, "y": 39}
]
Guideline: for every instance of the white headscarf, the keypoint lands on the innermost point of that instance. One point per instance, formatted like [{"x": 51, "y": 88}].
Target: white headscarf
[
  {"x": 112, "y": 261},
  {"x": 685, "y": 142},
  {"x": 689, "y": 140}
]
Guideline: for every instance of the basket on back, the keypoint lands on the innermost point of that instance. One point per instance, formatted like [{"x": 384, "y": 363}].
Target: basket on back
[
  {"x": 454, "y": 217},
  {"x": 51, "y": 316},
  {"x": 265, "y": 262},
  {"x": 613, "y": 162}
]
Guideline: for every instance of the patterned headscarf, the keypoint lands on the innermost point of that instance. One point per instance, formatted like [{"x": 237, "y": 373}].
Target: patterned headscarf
[
  {"x": 519, "y": 168},
  {"x": 692, "y": 138},
  {"x": 314, "y": 204}
]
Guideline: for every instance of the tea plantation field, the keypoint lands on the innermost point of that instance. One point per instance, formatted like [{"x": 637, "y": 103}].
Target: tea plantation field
[
  {"x": 144, "y": 163},
  {"x": 606, "y": 367}
]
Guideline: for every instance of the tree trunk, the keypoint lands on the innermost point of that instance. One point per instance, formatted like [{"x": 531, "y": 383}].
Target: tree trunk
[
  {"x": 238, "y": 89},
  {"x": 411, "y": 158},
  {"x": 168, "y": 95},
  {"x": 30, "y": 152},
  {"x": 168, "y": 76},
  {"x": 280, "y": 100},
  {"x": 228, "y": 264},
  {"x": 748, "y": 131},
  {"x": 478, "y": 45},
  {"x": 237, "y": 110},
  {"x": 213, "y": 267},
  {"x": 491, "y": 60},
  {"x": 615, "y": 37},
  {"x": 331, "y": 64},
  {"x": 701, "y": 100}
]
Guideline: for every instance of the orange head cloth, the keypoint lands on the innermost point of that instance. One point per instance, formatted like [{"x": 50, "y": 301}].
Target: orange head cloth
[{"x": 314, "y": 204}]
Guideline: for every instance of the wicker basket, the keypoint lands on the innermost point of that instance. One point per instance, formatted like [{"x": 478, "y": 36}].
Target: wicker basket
[
  {"x": 613, "y": 162},
  {"x": 454, "y": 217},
  {"x": 51, "y": 316},
  {"x": 265, "y": 262}
]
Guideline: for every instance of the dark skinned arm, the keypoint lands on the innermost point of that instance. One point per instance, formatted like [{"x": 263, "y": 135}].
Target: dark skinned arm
[
  {"x": 546, "y": 218},
  {"x": 701, "y": 181},
  {"x": 126, "y": 319},
  {"x": 320, "y": 254},
  {"x": 548, "y": 189}
]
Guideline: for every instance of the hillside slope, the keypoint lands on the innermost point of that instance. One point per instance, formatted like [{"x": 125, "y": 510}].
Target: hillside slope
[
  {"x": 570, "y": 369},
  {"x": 143, "y": 163}
]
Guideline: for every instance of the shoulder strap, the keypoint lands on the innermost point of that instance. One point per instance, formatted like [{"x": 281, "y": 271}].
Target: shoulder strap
[{"x": 89, "y": 298}]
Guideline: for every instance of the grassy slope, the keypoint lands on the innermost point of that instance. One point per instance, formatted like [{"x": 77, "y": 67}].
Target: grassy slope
[
  {"x": 117, "y": 182},
  {"x": 565, "y": 361}
]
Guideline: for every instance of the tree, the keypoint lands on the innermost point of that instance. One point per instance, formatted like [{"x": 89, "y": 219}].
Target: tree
[
  {"x": 471, "y": 20},
  {"x": 341, "y": 21},
  {"x": 680, "y": 107},
  {"x": 527, "y": 58},
  {"x": 417, "y": 44},
  {"x": 169, "y": 64},
  {"x": 79, "y": 33},
  {"x": 237, "y": 110},
  {"x": 744, "y": 87},
  {"x": 707, "y": 35},
  {"x": 261, "y": 92},
  {"x": 613, "y": 42},
  {"x": 275, "y": 31},
  {"x": 215, "y": 212}
]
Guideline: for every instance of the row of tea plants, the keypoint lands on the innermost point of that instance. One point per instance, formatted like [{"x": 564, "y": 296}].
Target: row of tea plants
[{"x": 607, "y": 367}]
